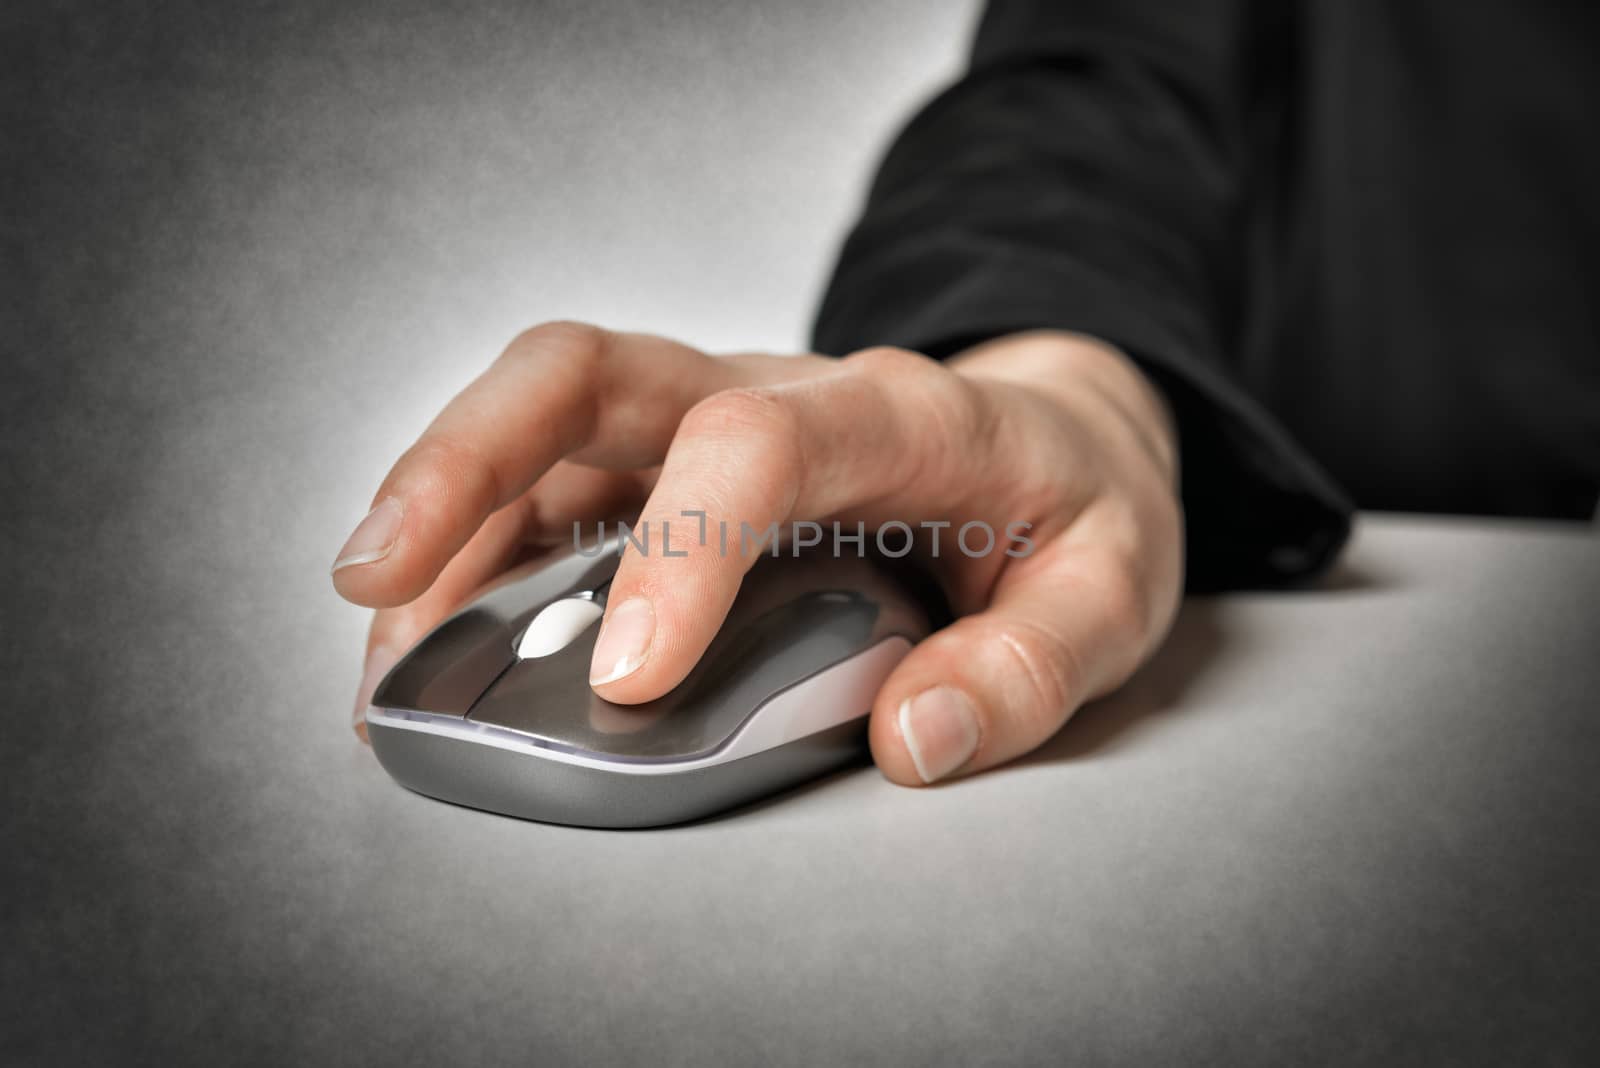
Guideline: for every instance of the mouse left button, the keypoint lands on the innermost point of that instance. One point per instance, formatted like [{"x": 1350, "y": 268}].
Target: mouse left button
[{"x": 449, "y": 670}]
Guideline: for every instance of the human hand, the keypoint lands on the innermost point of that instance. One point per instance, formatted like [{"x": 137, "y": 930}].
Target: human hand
[{"x": 577, "y": 424}]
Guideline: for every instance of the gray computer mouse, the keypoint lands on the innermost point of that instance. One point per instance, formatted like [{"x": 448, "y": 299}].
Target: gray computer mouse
[{"x": 493, "y": 709}]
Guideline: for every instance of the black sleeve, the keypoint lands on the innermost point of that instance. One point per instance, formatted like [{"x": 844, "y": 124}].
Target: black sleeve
[{"x": 1086, "y": 175}]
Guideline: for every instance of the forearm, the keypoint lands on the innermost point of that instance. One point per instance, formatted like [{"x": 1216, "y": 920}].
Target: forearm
[{"x": 1085, "y": 181}]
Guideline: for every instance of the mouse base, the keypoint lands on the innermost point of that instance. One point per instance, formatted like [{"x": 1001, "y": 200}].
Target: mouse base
[{"x": 549, "y": 791}]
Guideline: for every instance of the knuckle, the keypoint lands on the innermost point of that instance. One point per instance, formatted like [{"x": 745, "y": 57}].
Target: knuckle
[
  {"x": 897, "y": 372},
  {"x": 1123, "y": 602},
  {"x": 887, "y": 361},
  {"x": 951, "y": 414},
  {"x": 745, "y": 412},
  {"x": 575, "y": 355},
  {"x": 560, "y": 334},
  {"x": 759, "y": 423},
  {"x": 456, "y": 467},
  {"x": 1050, "y": 666},
  {"x": 580, "y": 346}
]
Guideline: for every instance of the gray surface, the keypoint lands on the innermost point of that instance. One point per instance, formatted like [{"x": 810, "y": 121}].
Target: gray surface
[
  {"x": 249, "y": 250},
  {"x": 1349, "y": 825}
]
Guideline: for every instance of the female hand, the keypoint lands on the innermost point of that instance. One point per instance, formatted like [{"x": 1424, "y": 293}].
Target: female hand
[{"x": 575, "y": 423}]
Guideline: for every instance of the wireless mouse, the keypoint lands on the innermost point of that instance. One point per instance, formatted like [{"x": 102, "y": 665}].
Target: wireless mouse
[{"x": 493, "y": 708}]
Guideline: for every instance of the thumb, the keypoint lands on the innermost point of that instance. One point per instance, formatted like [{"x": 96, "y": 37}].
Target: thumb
[{"x": 997, "y": 684}]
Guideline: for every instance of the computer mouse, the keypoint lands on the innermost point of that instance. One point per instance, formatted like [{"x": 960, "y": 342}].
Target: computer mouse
[{"x": 493, "y": 708}]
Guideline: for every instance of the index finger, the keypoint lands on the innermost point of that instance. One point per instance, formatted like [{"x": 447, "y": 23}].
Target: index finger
[
  {"x": 888, "y": 434},
  {"x": 563, "y": 389}
]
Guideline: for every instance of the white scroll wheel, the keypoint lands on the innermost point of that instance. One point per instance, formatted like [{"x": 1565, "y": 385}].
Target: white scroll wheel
[{"x": 557, "y": 625}]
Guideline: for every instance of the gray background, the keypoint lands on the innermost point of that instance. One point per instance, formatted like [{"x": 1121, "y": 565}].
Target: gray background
[{"x": 250, "y": 249}]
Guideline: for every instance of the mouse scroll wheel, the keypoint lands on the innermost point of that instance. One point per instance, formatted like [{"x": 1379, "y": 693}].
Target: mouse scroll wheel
[{"x": 557, "y": 625}]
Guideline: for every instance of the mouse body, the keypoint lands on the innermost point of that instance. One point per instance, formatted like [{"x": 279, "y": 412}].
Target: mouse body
[{"x": 493, "y": 709}]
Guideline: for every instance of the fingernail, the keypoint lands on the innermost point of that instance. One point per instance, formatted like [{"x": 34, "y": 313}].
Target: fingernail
[
  {"x": 374, "y": 536},
  {"x": 941, "y": 731},
  {"x": 624, "y": 640},
  {"x": 379, "y": 661}
]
